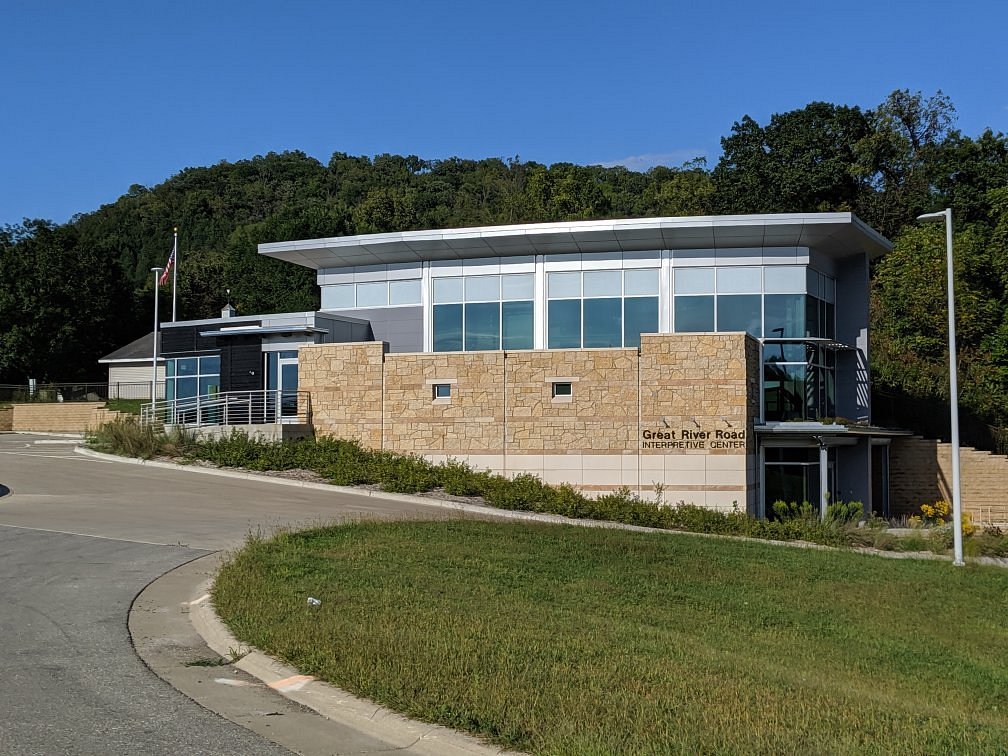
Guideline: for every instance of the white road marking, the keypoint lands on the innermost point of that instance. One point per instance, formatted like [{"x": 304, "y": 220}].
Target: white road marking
[
  {"x": 236, "y": 683},
  {"x": 200, "y": 600},
  {"x": 55, "y": 456},
  {"x": 91, "y": 535},
  {"x": 73, "y": 441}
]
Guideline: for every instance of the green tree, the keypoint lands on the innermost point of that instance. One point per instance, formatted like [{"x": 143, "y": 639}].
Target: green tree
[
  {"x": 62, "y": 304},
  {"x": 801, "y": 161}
]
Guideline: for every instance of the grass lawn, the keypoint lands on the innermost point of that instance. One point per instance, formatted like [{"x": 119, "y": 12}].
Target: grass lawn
[
  {"x": 129, "y": 406},
  {"x": 567, "y": 640}
]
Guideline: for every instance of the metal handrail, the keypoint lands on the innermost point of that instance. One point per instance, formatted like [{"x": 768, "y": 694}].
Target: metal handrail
[{"x": 231, "y": 408}]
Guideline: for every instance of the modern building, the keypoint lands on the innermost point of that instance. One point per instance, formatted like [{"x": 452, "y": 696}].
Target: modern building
[{"x": 719, "y": 360}]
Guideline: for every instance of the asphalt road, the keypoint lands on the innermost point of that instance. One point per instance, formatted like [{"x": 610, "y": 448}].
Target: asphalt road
[{"x": 79, "y": 539}]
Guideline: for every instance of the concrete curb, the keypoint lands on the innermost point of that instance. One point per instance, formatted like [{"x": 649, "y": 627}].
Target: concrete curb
[
  {"x": 505, "y": 514},
  {"x": 365, "y": 717}
]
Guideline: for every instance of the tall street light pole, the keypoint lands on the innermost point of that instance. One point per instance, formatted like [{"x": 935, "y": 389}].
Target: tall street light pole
[
  {"x": 157, "y": 287},
  {"x": 953, "y": 386}
]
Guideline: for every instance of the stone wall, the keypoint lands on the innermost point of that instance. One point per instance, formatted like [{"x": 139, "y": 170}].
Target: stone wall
[
  {"x": 920, "y": 472},
  {"x": 64, "y": 417},
  {"x": 674, "y": 416},
  {"x": 345, "y": 381},
  {"x": 6, "y": 418}
]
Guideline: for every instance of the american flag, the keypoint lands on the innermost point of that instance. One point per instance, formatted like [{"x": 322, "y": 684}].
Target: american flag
[{"x": 164, "y": 276}]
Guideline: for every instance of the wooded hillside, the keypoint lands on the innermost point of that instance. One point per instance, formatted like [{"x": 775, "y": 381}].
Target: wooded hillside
[{"x": 73, "y": 292}]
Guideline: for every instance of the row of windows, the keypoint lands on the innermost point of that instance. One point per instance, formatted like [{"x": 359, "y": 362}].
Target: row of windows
[
  {"x": 769, "y": 315},
  {"x": 188, "y": 377},
  {"x": 619, "y": 321},
  {"x": 587, "y": 284}
]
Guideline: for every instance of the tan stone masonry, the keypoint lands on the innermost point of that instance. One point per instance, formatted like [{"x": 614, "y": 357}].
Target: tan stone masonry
[{"x": 676, "y": 414}]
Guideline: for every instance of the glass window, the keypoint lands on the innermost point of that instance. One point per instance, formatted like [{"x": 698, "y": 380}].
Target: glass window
[
  {"x": 442, "y": 391},
  {"x": 603, "y": 283},
  {"x": 169, "y": 368},
  {"x": 518, "y": 286},
  {"x": 784, "y": 392},
  {"x": 780, "y": 279},
  {"x": 211, "y": 365},
  {"x": 783, "y": 315},
  {"x": 603, "y": 323},
  {"x": 185, "y": 366},
  {"x": 447, "y": 290},
  {"x": 564, "y": 324},
  {"x": 562, "y": 389},
  {"x": 448, "y": 328},
  {"x": 814, "y": 282},
  {"x": 564, "y": 285},
  {"x": 640, "y": 315},
  {"x": 830, "y": 321},
  {"x": 640, "y": 283},
  {"x": 694, "y": 314},
  {"x": 516, "y": 325},
  {"x": 340, "y": 297},
  {"x": 830, "y": 292},
  {"x": 185, "y": 388},
  {"x": 783, "y": 352},
  {"x": 812, "y": 317},
  {"x": 288, "y": 354},
  {"x": 482, "y": 288},
  {"x": 209, "y": 386},
  {"x": 740, "y": 280},
  {"x": 740, "y": 312},
  {"x": 482, "y": 326},
  {"x": 404, "y": 292},
  {"x": 372, "y": 294},
  {"x": 694, "y": 281}
]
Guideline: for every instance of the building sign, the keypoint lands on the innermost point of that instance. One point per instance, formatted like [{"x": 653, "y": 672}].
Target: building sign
[{"x": 688, "y": 438}]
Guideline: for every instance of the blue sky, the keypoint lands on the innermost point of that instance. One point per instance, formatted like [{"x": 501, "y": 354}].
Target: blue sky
[{"x": 101, "y": 95}]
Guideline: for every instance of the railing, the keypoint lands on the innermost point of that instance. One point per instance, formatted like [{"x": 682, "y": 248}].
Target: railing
[
  {"x": 231, "y": 408},
  {"x": 78, "y": 392}
]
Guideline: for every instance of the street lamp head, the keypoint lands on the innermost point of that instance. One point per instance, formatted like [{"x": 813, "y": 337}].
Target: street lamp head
[
  {"x": 940, "y": 215},
  {"x": 156, "y": 270}
]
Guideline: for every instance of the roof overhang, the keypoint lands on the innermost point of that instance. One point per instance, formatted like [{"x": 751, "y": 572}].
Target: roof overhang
[
  {"x": 827, "y": 434},
  {"x": 263, "y": 330},
  {"x": 834, "y": 234}
]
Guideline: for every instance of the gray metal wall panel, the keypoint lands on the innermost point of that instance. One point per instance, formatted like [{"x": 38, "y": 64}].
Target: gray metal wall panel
[{"x": 401, "y": 327}]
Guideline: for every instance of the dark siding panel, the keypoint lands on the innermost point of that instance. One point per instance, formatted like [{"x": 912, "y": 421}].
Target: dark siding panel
[
  {"x": 179, "y": 340},
  {"x": 241, "y": 363}
]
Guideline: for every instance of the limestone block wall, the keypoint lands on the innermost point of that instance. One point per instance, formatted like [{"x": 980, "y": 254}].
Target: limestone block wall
[
  {"x": 920, "y": 472},
  {"x": 470, "y": 420},
  {"x": 6, "y": 418},
  {"x": 345, "y": 381},
  {"x": 675, "y": 415}
]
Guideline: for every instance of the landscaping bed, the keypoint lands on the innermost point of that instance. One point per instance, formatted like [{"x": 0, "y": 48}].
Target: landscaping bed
[{"x": 346, "y": 463}]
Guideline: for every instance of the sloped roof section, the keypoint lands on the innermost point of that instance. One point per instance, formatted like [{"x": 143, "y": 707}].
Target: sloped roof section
[
  {"x": 140, "y": 349},
  {"x": 834, "y": 234}
]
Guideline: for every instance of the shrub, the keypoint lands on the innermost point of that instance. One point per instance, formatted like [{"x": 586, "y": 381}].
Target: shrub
[
  {"x": 935, "y": 514},
  {"x": 790, "y": 510},
  {"x": 844, "y": 512}
]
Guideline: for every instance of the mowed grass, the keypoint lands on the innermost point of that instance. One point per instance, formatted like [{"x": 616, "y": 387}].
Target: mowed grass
[{"x": 567, "y": 640}]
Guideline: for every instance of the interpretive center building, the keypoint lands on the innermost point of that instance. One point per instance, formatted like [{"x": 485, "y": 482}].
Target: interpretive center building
[{"x": 719, "y": 360}]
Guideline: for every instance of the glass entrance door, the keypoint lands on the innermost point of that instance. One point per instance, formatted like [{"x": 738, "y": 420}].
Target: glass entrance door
[
  {"x": 288, "y": 387},
  {"x": 281, "y": 386}
]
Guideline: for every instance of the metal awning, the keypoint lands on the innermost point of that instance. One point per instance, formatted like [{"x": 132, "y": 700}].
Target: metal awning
[{"x": 258, "y": 330}]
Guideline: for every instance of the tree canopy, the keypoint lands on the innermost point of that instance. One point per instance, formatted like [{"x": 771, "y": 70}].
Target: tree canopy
[{"x": 75, "y": 291}]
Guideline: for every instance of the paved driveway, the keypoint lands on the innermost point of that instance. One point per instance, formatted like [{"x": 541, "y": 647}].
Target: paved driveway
[{"x": 79, "y": 539}]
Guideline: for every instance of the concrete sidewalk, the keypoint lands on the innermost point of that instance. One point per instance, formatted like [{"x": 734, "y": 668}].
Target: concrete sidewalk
[{"x": 179, "y": 637}]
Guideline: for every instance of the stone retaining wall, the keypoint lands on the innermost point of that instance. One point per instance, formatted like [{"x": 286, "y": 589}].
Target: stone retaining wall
[{"x": 921, "y": 473}]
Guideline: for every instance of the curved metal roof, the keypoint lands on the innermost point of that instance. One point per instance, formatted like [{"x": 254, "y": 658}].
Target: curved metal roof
[{"x": 835, "y": 234}]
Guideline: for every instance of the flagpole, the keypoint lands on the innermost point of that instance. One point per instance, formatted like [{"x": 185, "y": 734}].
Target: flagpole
[{"x": 174, "y": 281}]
